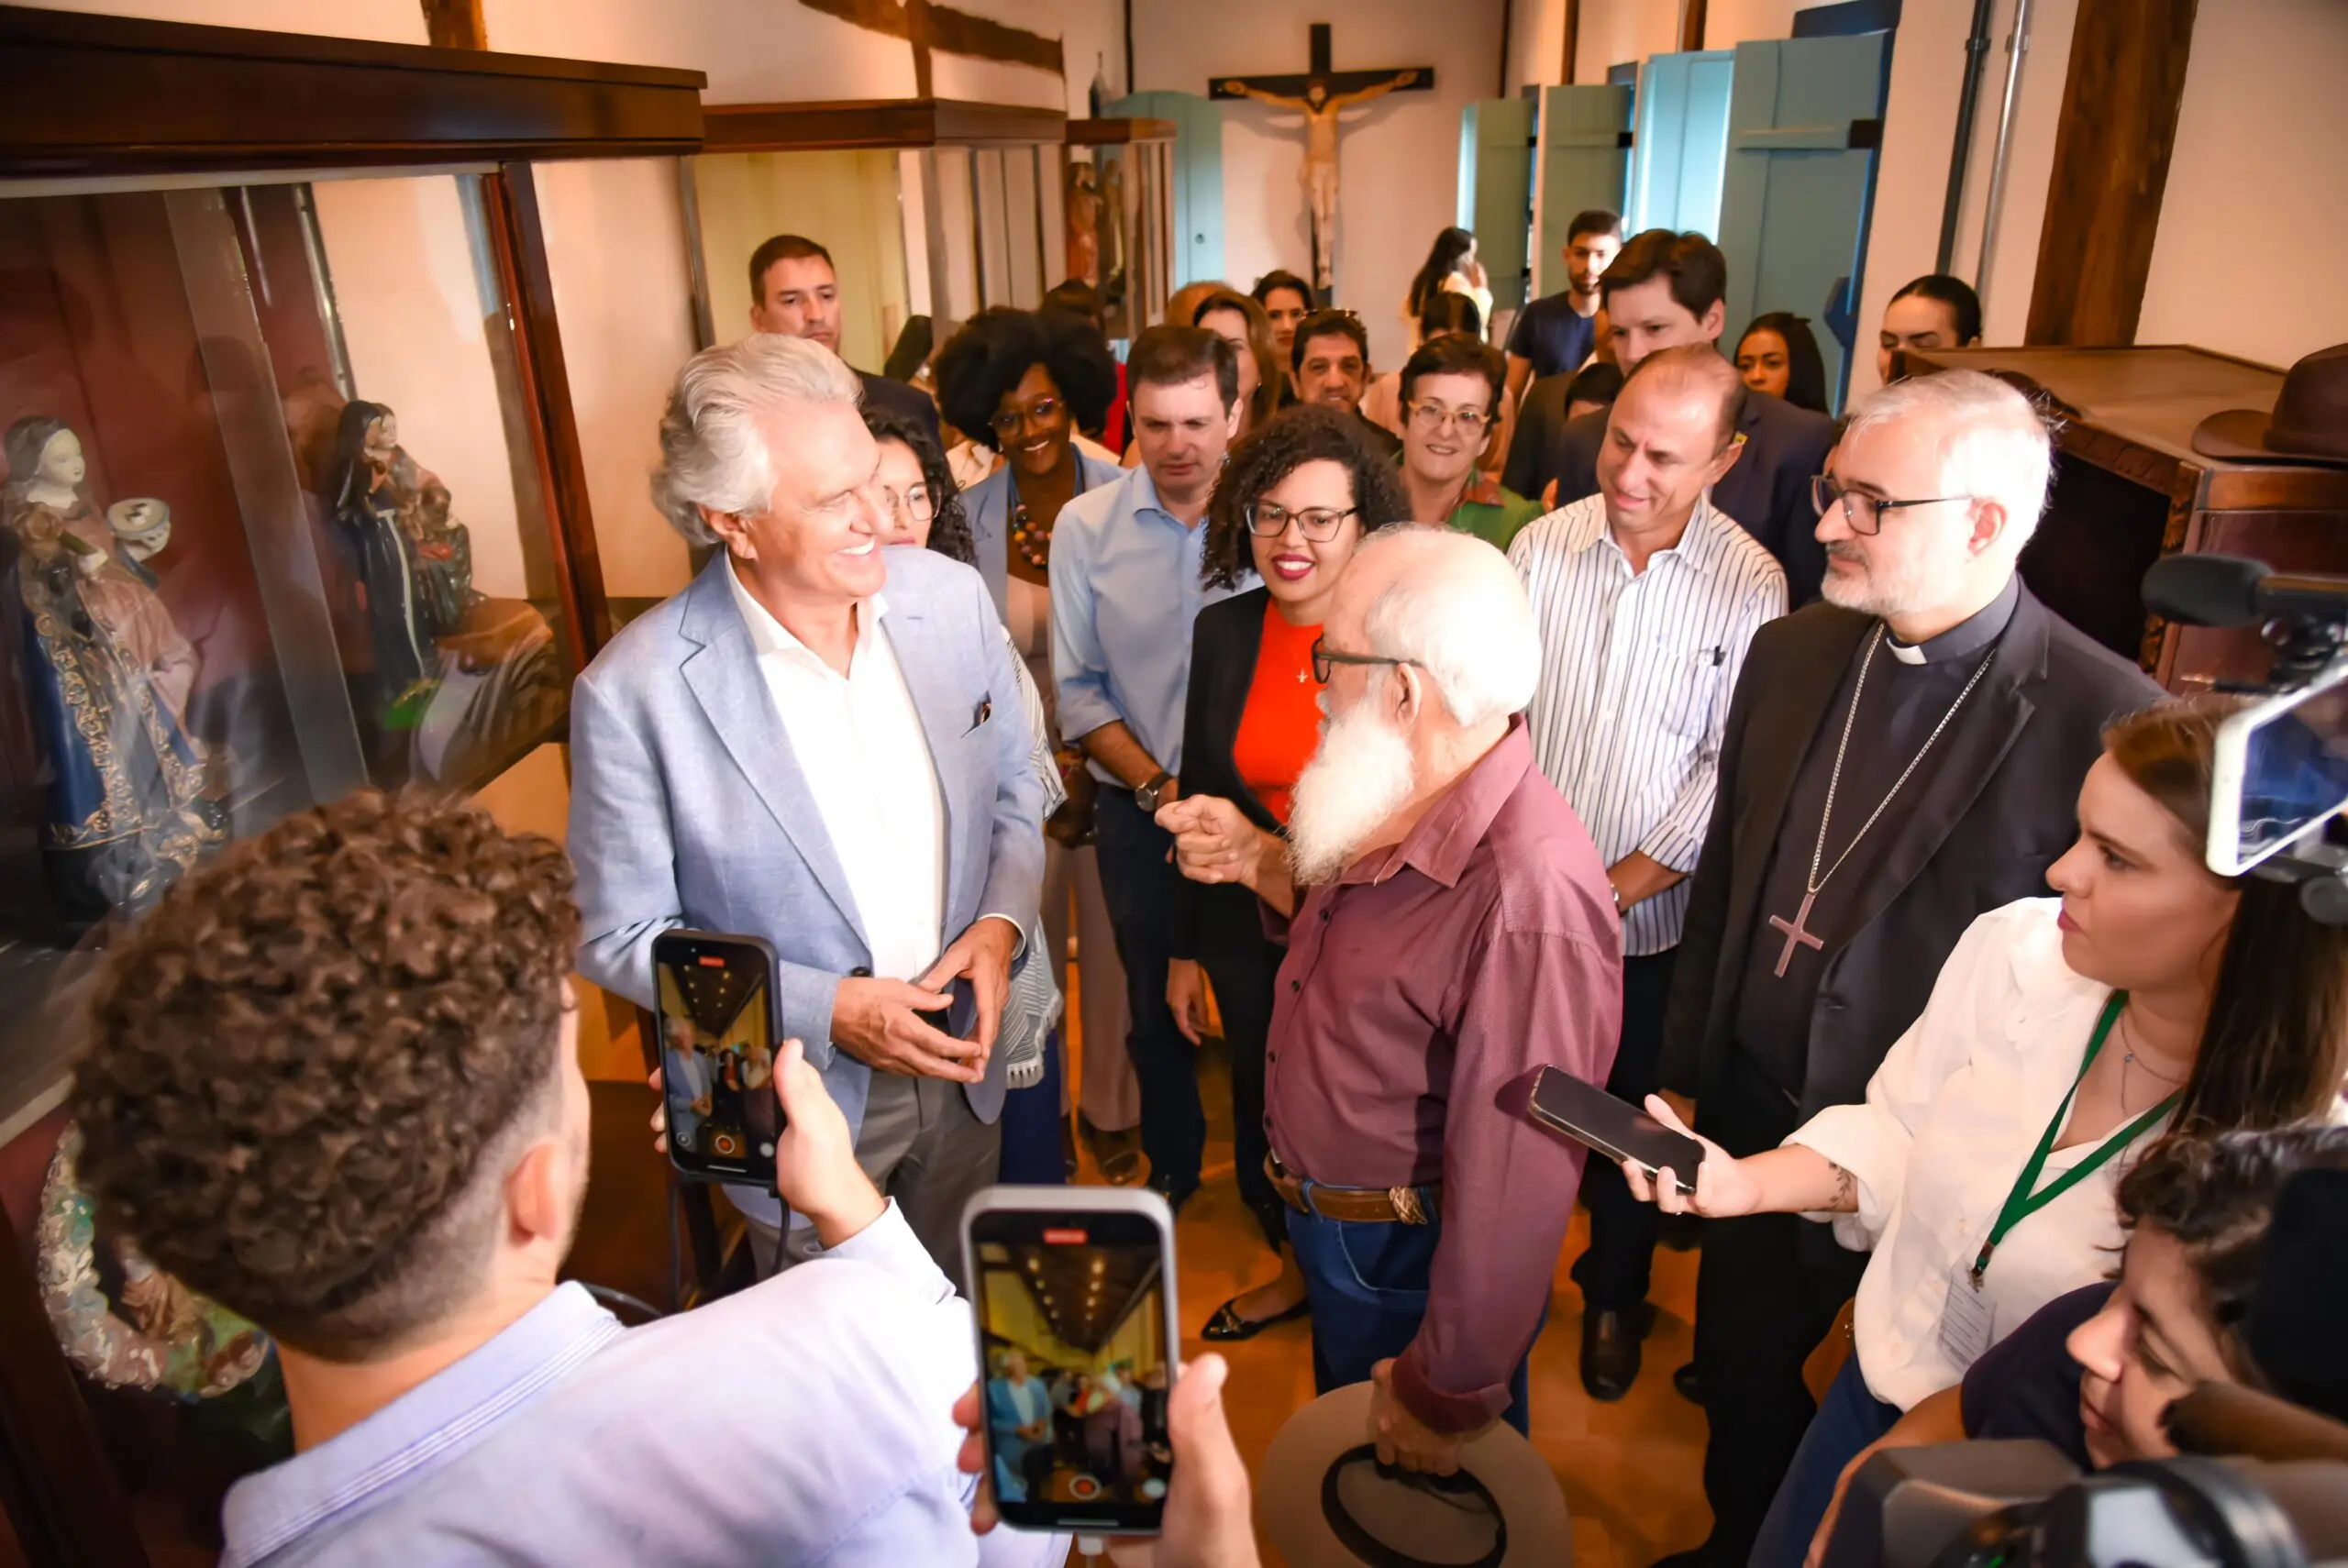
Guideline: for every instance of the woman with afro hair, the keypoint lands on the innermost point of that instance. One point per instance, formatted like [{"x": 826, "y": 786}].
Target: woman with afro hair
[{"x": 1025, "y": 382}]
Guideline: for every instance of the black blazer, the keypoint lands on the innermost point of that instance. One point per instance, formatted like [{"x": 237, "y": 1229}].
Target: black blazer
[
  {"x": 1766, "y": 489},
  {"x": 1984, "y": 835},
  {"x": 1224, "y": 641}
]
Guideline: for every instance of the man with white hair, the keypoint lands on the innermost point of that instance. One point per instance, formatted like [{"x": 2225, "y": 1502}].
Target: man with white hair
[
  {"x": 1897, "y": 759},
  {"x": 1450, "y": 933},
  {"x": 784, "y": 751}
]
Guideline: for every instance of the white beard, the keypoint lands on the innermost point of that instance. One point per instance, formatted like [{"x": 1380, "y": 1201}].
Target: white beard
[{"x": 1361, "y": 773}]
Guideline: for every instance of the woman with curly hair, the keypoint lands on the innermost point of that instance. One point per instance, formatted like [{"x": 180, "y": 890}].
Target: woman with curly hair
[
  {"x": 924, "y": 507},
  {"x": 1241, "y": 322},
  {"x": 1778, "y": 355},
  {"x": 1024, "y": 381},
  {"x": 1296, "y": 500}
]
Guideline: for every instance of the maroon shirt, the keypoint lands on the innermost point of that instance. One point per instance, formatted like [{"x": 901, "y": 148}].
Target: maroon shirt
[{"x": 1430, "y": 978}]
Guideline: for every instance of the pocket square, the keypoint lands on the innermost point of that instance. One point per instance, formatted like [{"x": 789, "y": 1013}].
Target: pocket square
[{"x": 984, "y": 712}]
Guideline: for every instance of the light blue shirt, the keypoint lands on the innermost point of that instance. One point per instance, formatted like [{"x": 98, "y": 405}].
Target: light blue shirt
[
  {"x": 1125, "y": 591},
  {"x": 806, "y": 1420}
]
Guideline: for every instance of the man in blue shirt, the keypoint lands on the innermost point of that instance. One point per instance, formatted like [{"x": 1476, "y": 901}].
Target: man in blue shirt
[
  {"x": 337, "y": 1089},
  {"x": 1126, "y": 588},
  {"x": 1554, "y": 334}
]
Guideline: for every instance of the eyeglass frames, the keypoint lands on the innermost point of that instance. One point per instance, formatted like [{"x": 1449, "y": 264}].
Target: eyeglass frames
[
  {"x": 1865, "y": 512},
  {"x": 1270, "y": 520},
  {"x": 1040, "y": 413},
  {"x": 1432, "y": 416},
  {"x": 1323, "y": 661}
]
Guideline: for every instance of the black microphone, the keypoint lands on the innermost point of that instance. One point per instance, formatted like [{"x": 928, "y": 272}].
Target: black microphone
[{"x": 2230, "y": 591}]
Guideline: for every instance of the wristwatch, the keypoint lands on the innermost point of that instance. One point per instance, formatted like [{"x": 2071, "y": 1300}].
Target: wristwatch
[{"x": 1146, "y": 797}]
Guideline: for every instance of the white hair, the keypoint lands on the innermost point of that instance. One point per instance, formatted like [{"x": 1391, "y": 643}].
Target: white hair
[
  {"x": 1991, "y": 442},
  {"x": 1470, "y": 628},
  {"x": 712, "y": 452}
]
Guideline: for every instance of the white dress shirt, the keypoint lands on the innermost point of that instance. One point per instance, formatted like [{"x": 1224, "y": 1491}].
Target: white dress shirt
[
  {"x": 1636, "y": 672},
  {"x": 857, "y": 738},
  {"x": 1949, "y": 1120}
]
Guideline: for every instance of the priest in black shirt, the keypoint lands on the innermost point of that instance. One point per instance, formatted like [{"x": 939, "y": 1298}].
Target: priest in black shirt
[
  {"x": 1900, "y": 759},
  {"x": 1665, "y": 290}
]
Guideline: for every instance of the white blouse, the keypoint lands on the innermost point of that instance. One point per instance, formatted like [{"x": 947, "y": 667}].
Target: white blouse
[{"x": 1950, "y": 1117}]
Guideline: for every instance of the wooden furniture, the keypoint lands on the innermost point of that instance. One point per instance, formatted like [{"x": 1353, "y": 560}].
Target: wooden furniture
[
  {"x": 2129, "y": 488},
  {"x": 215, "y": 241},
  {"x": 1131, "y": 185}
]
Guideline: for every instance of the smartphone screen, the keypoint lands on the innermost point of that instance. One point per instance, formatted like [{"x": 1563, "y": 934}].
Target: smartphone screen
[
  {"x": 2295, "y": 772},
  {"x": 717, "y": 1042},
  {"x": 1075, "y": 1327}
]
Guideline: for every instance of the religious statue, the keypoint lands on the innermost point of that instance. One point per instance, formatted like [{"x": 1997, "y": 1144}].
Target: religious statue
[
  {"x": 458, "y": 675},
  {"x": 134, "y": 796},
  {"x": 1080, "y": 209},
  {"x": 1321, "y": 108}
]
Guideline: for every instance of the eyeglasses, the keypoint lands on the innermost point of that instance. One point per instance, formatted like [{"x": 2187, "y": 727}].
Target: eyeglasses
[
  {"x": 914, "y": 504},
  {"x": 1040, "y": 413},
  {"x": 1323, "y": 660},
  {"x": 1270, "y": 520},
  {"x": 1865, "y": 512},
  {"x": 1432, "y": 416}
]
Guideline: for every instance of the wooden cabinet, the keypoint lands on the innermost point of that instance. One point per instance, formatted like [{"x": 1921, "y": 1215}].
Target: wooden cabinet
[{"x": 2129, "y": 488}]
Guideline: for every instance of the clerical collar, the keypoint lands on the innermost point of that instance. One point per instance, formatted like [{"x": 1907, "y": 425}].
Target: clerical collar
[{"x": 1967, "y": 637}]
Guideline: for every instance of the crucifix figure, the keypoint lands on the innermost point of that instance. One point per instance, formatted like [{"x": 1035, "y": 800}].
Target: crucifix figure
[{"x": 1321, "y": 94}]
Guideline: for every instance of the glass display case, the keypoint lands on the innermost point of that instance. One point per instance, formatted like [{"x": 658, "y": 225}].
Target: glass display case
[
  {"x": 1117, "y": 194},
  {"x": 931, "y": 208},
  {"x": 291, "y": 502}
]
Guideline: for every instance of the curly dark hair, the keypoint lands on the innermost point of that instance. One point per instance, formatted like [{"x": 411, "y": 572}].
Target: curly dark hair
[
  {"x": 2214, "y": 1197},
  {"x": 949, "y": 529},
  {"x": 983, "y": 361},
  {"x": 305, "y": 1062},
  {"x": 1309, "y": 432}
]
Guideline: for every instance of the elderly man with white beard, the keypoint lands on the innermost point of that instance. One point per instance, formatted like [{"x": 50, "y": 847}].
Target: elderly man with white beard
[{"x": 1450, "y": 933}]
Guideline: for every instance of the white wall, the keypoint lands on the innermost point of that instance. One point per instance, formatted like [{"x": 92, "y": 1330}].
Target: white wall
[
  {"x": 1397, "y": 158},
  {"x": 615, "y": 249},
  {"x": 754, "y": 52},
  {"x": 2254, "y": 223},
  {"x": 1614, "y": 31}
]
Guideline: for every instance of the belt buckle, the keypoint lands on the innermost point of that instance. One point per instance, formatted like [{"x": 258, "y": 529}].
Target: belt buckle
[{"x": 1407, "y": 1207}]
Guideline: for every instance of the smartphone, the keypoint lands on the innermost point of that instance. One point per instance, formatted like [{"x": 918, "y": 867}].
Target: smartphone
[
  {"x": 1615, "y": 1128},
  {"x": 1078, "y": 1343},
  {"x": 2278, "y": 773},
  {"x": 718, "y": 1034}
]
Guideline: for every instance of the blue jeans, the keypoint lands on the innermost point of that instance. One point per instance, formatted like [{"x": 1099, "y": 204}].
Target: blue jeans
[
  {"x": 1848, "y": 1419},
  {"x": 1367, "y": 1284},
  {"x": 1139, "y": 884}
]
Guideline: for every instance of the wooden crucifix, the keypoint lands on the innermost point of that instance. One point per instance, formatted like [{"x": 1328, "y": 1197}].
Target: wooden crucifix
[{"x": 1321, "y": 94}]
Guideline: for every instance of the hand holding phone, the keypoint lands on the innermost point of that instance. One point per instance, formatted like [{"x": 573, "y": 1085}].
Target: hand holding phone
[
  {"x": 1615, "y": 1128},
  {"x": 718, "y": 1031},
  {"x": 1078, "y": 1328}
]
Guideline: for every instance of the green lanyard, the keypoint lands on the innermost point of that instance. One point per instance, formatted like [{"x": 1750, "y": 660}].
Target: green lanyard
[{"x": 2025, "y": 1202}]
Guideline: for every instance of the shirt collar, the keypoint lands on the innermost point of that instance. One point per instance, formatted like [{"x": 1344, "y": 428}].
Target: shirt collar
[
  {"x": 1699, "y": 545},
  {"x": 1439, "y": 843},
  {"x": 769, "y": 636},
  {"x": 1481, "y": 492},
  {"x": 427, "y": 1426},
  {"x": 1967, "y": 637}
]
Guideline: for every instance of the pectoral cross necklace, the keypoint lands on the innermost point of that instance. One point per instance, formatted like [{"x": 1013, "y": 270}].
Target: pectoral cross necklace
[{"x": 1797, "y": 931}]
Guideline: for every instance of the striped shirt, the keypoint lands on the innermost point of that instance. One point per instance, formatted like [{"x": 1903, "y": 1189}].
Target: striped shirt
[{"x": 1636, "y": 671}]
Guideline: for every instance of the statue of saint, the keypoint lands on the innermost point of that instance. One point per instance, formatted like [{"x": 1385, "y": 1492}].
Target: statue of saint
[{"x": 1319, "y": 176}]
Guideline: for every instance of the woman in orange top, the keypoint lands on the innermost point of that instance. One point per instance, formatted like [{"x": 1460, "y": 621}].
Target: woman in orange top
[{"x": 1295, "y": 502}]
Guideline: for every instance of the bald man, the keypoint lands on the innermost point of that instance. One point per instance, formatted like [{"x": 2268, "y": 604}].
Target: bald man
[
  {"x": 1450, "y": 934},
  {"x": 1646, "y": 597}
]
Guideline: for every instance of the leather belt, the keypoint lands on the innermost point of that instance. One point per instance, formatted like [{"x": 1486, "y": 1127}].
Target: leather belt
[{"x": 1355, "y": 1205}]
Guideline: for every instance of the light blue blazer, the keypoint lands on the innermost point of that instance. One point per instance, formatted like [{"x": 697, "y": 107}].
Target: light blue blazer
[
  {"x": 987, "y": 507},
  {"x": 688, "y": 809}
]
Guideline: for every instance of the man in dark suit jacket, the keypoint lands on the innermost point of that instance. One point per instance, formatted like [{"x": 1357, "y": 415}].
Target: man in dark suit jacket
[
  {"x": 795, "y": 291},
  {"x": 1665, "y": 290},
  {"x": 1935, "y": 701}
]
